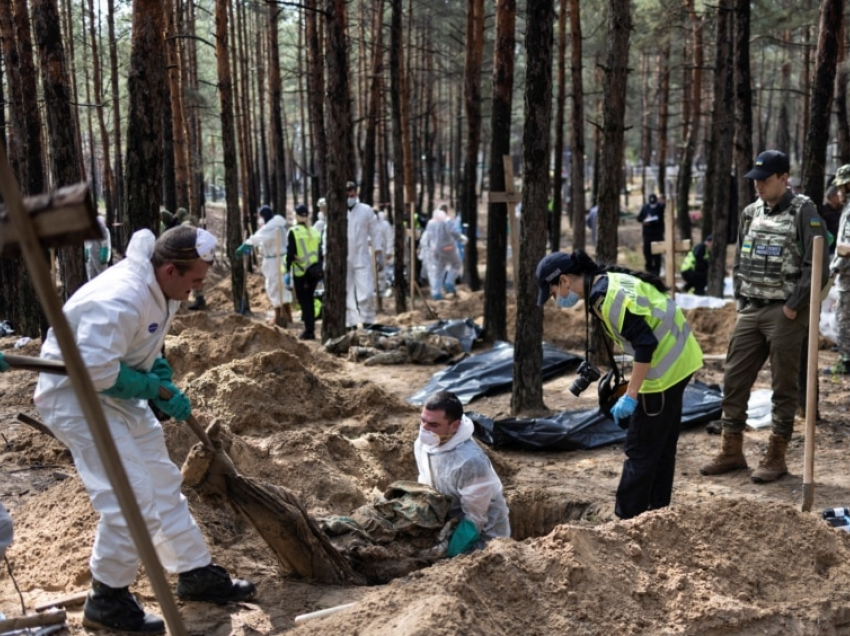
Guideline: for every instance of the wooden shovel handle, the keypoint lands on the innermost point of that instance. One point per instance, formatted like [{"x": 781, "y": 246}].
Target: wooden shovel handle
[{"x": 30, "y": 363}]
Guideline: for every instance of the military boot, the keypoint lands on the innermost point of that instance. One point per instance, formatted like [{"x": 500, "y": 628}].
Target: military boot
[
  {"x": 772, "y": 466},
  {"x": 730, "y": 457},
  {"x": 213, "y": 584},
  {"x": 116, "y": 609}
]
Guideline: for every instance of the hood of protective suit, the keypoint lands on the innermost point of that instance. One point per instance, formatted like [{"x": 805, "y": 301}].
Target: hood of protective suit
[{"x": 464, "y": 432}]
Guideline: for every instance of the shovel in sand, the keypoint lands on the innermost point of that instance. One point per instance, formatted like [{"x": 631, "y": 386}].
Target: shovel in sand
[{"x": 273, "y": 511}]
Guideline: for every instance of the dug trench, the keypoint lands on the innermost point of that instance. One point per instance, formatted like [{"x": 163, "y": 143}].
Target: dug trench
[{"x": 727, "y": 557}]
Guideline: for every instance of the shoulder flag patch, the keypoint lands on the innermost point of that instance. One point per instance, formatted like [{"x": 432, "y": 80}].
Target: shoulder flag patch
[{"x": 814, "y": 222}]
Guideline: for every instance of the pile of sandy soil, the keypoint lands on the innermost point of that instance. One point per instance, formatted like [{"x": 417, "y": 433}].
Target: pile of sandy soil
[{"x": 728, "y": 557}]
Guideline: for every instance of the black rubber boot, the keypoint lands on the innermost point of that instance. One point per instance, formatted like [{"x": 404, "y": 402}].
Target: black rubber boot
[
  {"x": 213, "y": 584},
  {"x": 116, "y": 609}
]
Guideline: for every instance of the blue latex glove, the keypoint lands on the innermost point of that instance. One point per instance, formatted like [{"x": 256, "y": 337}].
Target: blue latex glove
[
  {"x": 162, "y": 370},
  {"x": 287, "y": 280},
  {"x": 243, "y": 249},
  {"x": 464, "y": 537},
  {"x": 623, "y": 410},
  {"x": 4, "y": 366},
  {"x": 133, "y": 384},
  {"x": 104, "y": 255},
  {"x": 178, "y": 407}
]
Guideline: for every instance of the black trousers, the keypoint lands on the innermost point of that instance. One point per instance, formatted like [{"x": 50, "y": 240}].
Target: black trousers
[
  {"x": 653, "y": 261},
  {"x": 304, "y": 290},
  {"x": 697, "y": 280},
  {"x": 647, "y": 479}
]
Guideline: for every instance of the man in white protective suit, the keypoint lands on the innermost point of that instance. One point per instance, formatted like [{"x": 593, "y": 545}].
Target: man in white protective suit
[
  {"x": 443, "y": 260},
  {"x": 452, "y": 463},
  {"x": 271, "y": 239},
  {"x": 360, "y": 281},
  {"x": 119, "y": 321}
]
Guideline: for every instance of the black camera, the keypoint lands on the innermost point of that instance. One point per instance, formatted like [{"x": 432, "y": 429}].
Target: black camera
[{"x": 587, "y": 373}]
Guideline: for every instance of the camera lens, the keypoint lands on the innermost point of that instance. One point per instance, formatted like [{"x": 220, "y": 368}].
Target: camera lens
[{"x": 579, "y": 385}]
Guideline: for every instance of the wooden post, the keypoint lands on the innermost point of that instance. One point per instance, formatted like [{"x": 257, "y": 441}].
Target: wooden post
[
  {"x": 812, "y": 375},
  {"x": 83, "y": 387},
  {"x": 511, "y": 197},
  {"x": 670, "y": 247}
]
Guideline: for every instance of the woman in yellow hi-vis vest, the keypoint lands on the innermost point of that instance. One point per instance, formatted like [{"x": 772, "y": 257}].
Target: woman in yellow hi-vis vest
[{"x": 636, "y": 313}]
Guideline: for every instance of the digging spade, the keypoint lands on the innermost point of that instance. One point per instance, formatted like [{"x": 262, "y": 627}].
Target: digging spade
[{"x": 275, "y": 513}]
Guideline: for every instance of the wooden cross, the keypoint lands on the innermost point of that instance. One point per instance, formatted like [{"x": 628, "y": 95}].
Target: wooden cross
[
  {"x": 670, "y": 247},
  {"x": 510, "y": 196}
]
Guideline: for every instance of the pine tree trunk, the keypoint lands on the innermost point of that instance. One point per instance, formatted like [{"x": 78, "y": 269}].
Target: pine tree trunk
[
  {"x": 743, "y": 105},
  {"x": 554, "y": 217},
  {"x": 339, "y": 169},
  {"x": 64, "y": 160},
  {"x": 238, "y": 280},
  {"x": 472, "y": 102},
  {"x": 118, "y": 194},
  {"x": 495, "y": 302},
  {"x": 817, "y": 136},
  {"x": 178, "y": 123},
  {"x": 278, "y": 161},
  {"x": 577, "y": 199},
  {"x": 402, "y": 241},
  {"x": 613, "y": 113},
  {"x": 663, "y": 115},
  {"x": 527, "y": 392},
  {"x": 692, "y": 127},
  {"x": 367, "y": 185},
  {"x": 842, "y": 123},
  {"x": 107, "y": 178},
  {"x": 721, "y": 135},
  {"x": 315, "y": 96}
]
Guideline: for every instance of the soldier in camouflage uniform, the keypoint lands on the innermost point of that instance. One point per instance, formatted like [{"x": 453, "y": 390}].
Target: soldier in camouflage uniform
[
  {"x": 772, "y": 280},
  {"x": 840, "y": 269}
]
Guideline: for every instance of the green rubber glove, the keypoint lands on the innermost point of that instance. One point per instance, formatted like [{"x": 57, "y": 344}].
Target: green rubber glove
[
  {"x": 104, "y": 255},
  {"x": 133, "y": 384},
  {"x": 243, "y": 249},
  {"x": 162, "y": 370},
  {"x": 178, "y": 407},
  {"x": 86, "y": 253},
  {"x": 4, "y": 366},
  {"x": 464, "y": 537}
]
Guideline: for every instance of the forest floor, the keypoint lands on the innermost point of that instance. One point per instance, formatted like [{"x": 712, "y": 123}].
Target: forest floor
[{"x": 728, "y": 557}]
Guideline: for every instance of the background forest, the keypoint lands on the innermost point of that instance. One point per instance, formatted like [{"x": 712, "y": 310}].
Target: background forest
[{"x": 178, "y": 103}]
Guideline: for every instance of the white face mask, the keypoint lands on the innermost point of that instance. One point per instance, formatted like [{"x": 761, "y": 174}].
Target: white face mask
[
  {"x": 428, "y": 438},
  {"x": 321, "y": 216},
  {"x": 382, "y": 215},
  {"x": 352, "y": 201}
]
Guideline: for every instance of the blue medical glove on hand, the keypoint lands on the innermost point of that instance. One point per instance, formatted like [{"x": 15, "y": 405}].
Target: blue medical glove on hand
[
  {"x": 4, "y": 366},
  {"x": 243, "y": 249},
  {"x": 623, "y": 410},
  {"x": 178, "y": 406},
  {"x": 464, "y": 537},
  {"x": 287, "y": 280},
  {"x": 162, "y": 370},
  {"x": 133, "y": 384},
  {"x": 104, "y": 255}
]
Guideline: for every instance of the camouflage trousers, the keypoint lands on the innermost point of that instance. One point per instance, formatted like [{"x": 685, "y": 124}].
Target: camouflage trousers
[{"x": 842, "y": 319}]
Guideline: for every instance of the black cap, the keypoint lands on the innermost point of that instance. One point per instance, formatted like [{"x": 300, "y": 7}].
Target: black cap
[
  {"x": 708, "y": 238},
  {"x": 301, "y": 210},
  {"x": 350, "y": 185},
  {"x": 768, "y": 163},
  {"x": 267, "y": 213},
  {"x": 549, "y": 269},
  {"x": 653, "y": 199}
]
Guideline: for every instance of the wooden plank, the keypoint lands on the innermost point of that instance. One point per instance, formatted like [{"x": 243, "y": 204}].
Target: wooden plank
[
  {"x": 504, "y": 197},
  {"x": 660, "y": 247},
  {"x": 64, "y": 217},
  {"x": 34, "y": 620},
  {"x": 73, "y": 600}
]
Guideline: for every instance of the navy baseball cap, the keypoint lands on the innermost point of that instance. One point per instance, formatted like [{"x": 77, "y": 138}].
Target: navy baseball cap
[
  {"x": 768, "y": 163},
  {"x": 549, "y": 269},
  {"x": 301, "y": 210}
]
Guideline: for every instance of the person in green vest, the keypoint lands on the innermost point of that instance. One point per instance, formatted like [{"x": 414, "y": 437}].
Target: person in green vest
[
  {"x": 695, "y": 266},
  {"x": 304, "y": 261},
  {"x": 636, "y": 312}
]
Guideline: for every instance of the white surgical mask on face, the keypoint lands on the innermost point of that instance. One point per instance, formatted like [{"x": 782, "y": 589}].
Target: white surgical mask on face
[
  {"x": 352, "y": 201},
  {"x": 428, "y": 438}
]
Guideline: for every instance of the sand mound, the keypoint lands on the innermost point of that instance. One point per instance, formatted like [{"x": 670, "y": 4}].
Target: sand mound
[{"x": 700, "y": 570}]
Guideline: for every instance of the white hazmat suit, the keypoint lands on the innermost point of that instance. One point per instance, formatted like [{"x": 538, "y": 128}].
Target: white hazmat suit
[
  {"x": 271, "y": 240},
  {"x": 122, "y": 316},
  {"x": 98, "y": 251},
  {"x": 388, "y": 237},
  {"x": 461, "y": 470},
  {"x": 443, "y": 259},
  {"x": 363, "y": 232}
]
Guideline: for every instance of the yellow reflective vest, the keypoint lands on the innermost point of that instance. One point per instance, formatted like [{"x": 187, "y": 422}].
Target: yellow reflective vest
[
  {"x": 677, "y": 355},
  {"x": 307, "y": 240}
]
